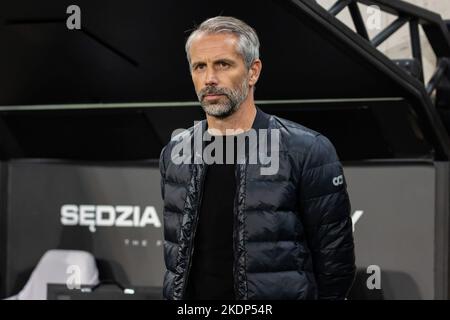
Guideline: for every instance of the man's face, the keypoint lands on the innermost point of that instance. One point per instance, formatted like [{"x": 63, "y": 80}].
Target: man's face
[{"x": 219, "y": 73}]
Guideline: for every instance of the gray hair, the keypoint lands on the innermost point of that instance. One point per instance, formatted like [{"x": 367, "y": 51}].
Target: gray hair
[{"x": 248, "y": 42}]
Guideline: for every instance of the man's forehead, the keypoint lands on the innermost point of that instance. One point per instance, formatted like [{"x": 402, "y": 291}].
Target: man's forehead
[{"x": 214, "y": 46}]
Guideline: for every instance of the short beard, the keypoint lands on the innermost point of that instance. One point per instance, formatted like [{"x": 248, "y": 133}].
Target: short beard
[{"x": 234, "y": 98}]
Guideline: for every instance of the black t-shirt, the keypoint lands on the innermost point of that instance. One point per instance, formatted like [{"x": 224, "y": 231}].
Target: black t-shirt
[{"x": 211, "y": 274}]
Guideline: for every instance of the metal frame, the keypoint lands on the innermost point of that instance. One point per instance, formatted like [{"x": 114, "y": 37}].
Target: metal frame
[
  {"x": 432, "y": 24},
  {"x": 436, "y": 31}
]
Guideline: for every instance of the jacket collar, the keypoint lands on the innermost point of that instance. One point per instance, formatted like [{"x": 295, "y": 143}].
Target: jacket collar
[{"x": 261, "y": 121}]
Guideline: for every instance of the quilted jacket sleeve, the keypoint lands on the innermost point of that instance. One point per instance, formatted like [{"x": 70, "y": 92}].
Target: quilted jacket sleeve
[{"x": 325, "y": 209}]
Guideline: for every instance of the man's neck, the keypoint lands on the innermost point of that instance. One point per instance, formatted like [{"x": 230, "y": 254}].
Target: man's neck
[{"x": 241, "y": 120}]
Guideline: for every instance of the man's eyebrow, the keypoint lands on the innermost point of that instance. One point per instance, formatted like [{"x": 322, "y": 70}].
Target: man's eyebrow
[
  {"x": 226, "y": 60},
  {"x": 196, "y": 63}
]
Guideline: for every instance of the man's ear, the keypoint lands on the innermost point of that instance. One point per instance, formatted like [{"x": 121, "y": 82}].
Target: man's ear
[{"x": 254, "y": 72}]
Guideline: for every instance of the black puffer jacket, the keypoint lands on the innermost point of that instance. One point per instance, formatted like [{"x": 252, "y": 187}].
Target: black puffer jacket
[{"x": 292, "y": 230}]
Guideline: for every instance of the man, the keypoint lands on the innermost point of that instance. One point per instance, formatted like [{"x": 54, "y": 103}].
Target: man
[{"x": 232, "y": 232}]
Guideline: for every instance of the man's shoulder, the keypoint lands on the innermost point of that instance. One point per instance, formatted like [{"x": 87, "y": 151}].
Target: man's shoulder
[
  {"x": 297, "y": 137},
  {"x": 315, "y": 147}
]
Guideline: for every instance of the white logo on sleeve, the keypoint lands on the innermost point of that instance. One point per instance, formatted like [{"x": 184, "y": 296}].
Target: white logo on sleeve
[{"x": 337, "y": 181}]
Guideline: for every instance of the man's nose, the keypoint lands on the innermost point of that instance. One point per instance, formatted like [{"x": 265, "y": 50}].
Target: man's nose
[{"x": 210, "y": 77}]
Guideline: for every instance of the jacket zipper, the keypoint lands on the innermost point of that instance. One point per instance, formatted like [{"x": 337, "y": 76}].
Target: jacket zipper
[
  {"x": 235, "y": 225},
  {"x": 240, "y": 169},
  {"x": 194, "y": 229}
]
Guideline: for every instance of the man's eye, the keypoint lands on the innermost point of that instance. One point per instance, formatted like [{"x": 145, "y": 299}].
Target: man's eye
[
  {"x": 223, "y": 64},
  {"x": 199, "y": 67}
]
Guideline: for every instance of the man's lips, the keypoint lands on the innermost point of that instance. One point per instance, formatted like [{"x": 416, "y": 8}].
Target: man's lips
[{"x": 212, "y": 96}]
